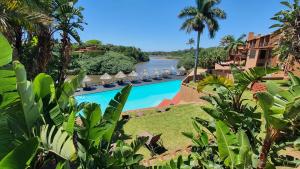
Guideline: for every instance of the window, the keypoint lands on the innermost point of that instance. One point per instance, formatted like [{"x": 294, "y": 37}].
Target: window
[{"x": 252, "y": 53}]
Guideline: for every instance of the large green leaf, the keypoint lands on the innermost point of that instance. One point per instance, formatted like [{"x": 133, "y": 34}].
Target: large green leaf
[
  {"x": 21, "y": 156},
  {"x": 272, "y": 114},
  {"x": 93, "y": 129},
  {"x": 295, "y": 80},
  {"x": 114, "y": 110},
  {"x": 58, "y": 141},
  {"x": 6, "y": 51},
  {"x": 214, "y": 80},
  {"x": 70, "y": 123},
  {"x": 243, "y": 160},
  {"x": 244, "y": 78},
  {"x": 43, "y": 85},
  {"x": 68, "y": 89},
  {"x": 8, "y": 94},
  {"x": 31, "y": 109},
  {"x": 226, "y": 144},
  {"x": 6, "y": 136}
]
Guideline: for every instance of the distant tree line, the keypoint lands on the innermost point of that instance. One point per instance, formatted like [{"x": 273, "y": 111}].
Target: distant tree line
[
  {"x": 106, "y": 58},
  {"x": 207, "y": 57}
]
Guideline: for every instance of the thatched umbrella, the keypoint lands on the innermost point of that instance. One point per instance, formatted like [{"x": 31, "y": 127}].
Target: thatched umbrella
[
  {"x": 106, "y": 78},
  {"x": 86, "y": 80},
  {"x": 182, "y": 70},
  {"x": 145, "y": 75},
  {"x": 120, "y": 76},
  {"x": 167, "y": 72},
  {"x": 133, "y": 75},
  {"x": 156, "y": 73}
]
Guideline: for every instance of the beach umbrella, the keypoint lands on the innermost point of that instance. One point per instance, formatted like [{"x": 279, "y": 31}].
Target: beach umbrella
[
  {"x": 133, "y": 75},
  {"x": 167, "y": 72},
  {"x": 156, "y": 73},
  {"x": 120, "y": 75},
  {"x": 182, "y": 69},
  {"x": 145, "y": 74},
  {"x": 86, "y": 79},
  {"x": 105, "y": 78}
]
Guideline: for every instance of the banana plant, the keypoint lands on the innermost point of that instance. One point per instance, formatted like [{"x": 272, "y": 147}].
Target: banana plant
[
  {"x": 24, "y": 105},
  {"x": 224, "y": 149},
  {"x": 281, "y": 111},
  {"x": 96, "y": 148},
  {"x": 21, "y": 156},
  {"x": 180, "y": 163},
  {"x": 229, "y": 104}
]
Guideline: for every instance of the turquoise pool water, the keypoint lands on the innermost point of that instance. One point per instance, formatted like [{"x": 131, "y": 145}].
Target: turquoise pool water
[{"x": 140, "y": 97}]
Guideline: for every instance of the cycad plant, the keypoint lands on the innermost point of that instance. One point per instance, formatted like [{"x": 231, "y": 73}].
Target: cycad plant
[{"x": 204, "y": 15}]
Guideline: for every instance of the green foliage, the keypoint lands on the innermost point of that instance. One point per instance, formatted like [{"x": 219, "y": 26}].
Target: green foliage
[
  {"x": 201, "y": 139},
  {"x": 204, "y": 14},
  {"x": 31, "y": 109},
  {"x": 280, "y": 107},
  {"x": 288, "y": 23},
  {"x": 231, "y": 44},
  {"x": 93, "y": 42},
  {"x": 57, "y": 141},
  {"x": 207, "y": 57},
  {"x": 48, "y": 112},
  {"x": 21, "y": 156},
  {"x": 229, "y": 105},
  {"x": 110, "y": 62},
  {"x": 5, "y": 56}
]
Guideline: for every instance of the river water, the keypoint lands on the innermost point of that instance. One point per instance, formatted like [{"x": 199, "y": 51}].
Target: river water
[{"x": 157, "y": 63}]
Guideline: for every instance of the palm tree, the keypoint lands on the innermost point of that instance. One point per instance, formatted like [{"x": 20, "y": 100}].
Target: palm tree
[
  {"x": 204, "y": 14},
  {"x": 16, "y": 16},
  {"x": 191, "y": 42},
  {"x": 289, "y": 25},
  {"x": 231, "y": 44},
  {"x": 69, "y": 18}
]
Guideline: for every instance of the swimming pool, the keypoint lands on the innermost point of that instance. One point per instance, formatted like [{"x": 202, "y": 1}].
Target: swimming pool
[{"x": 140, "y": 96}]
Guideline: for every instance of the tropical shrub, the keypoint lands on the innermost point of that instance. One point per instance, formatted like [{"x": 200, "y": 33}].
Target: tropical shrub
[
  {"x": 226, "y": 142},
  {"x": 39, "y": 120},
  {"x": 288, "y": 23}
]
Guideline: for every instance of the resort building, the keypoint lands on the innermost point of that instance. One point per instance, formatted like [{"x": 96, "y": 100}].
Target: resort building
[{"x": 258, "y": 51}]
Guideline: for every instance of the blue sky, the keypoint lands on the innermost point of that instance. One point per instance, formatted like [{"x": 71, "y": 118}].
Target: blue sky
[{"x": 152, "y": 25}]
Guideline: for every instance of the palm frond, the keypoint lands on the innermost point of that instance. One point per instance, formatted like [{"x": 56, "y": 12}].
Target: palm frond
[
  {"x": 214, "y": 80},
  {"x": 188, "y": 12}
]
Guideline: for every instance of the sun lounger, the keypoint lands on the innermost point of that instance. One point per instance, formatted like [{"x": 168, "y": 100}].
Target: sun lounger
[{"x": 154, "y": 143}]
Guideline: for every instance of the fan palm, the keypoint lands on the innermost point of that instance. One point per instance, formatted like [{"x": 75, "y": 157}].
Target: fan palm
[{"x": 197, "y": 18}]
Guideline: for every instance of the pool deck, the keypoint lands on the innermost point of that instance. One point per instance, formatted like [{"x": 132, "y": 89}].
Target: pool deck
[{"x": 101, "y": 88}]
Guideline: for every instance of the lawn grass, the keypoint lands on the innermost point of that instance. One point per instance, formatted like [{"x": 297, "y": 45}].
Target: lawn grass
[{"x": 171, "y": 123}]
